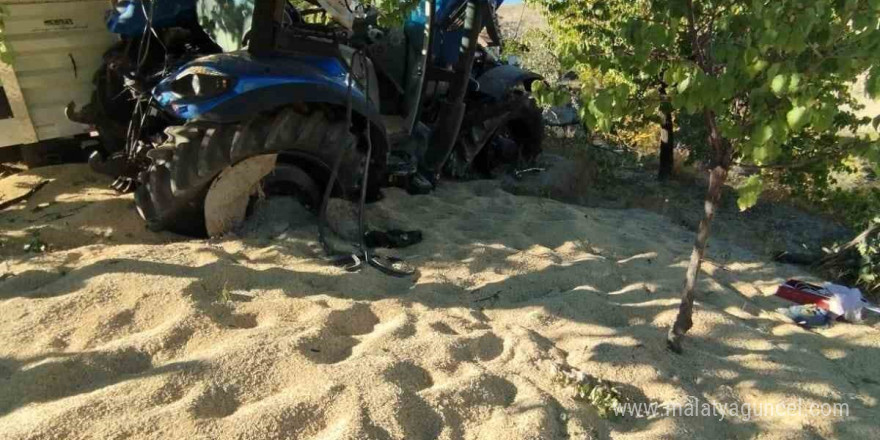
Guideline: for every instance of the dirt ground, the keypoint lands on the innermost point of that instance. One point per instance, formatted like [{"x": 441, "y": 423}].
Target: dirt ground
[
  {"x": 772, "y": 226},
  {"x": 118, "y": 332}
]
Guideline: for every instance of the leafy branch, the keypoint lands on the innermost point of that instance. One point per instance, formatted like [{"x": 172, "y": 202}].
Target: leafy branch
[{"x": 765, "y": 84}]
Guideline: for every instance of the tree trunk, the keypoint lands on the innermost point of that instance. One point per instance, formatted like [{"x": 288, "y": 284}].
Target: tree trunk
[
  {"x": 667, "y": 143},
  {"x": 717, "y": 175}
]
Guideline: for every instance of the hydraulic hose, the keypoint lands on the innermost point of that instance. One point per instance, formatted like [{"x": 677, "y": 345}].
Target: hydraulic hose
[{"x": 354, "y": 261}]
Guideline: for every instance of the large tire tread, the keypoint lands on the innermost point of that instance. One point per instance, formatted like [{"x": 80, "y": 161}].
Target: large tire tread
[{"x": 173, "y": 189}]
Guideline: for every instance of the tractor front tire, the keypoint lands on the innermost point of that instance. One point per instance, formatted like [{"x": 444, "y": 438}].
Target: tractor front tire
[
  {"x": 524, "y": 129},
  {"x": 173, "y": 188}
]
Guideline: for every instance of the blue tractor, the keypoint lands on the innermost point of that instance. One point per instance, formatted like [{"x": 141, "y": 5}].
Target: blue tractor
[{"x": 323, "y": 102}]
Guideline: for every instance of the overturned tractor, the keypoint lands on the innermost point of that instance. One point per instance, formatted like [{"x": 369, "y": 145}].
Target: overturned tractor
[{"x": 323, "y": 102}]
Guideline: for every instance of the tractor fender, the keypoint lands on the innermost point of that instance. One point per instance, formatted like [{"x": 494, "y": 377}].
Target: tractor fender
[
  {"x": 264, "y": 84},
  {"x": 265, "y": 99},
  {"x": 497, "y": 81}
]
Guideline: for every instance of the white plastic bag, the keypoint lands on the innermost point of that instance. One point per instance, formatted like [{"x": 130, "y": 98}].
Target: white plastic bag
[{"x": 845, "y": 301}]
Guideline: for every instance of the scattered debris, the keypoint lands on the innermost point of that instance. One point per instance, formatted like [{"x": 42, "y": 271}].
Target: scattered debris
[
  {"x": 36, "y": 245},
  {"x": 808, "y": 316},
  {"x": 7, "y": 203},
  {"x": 839, "y": 301},
  {"x": 8, "y": 170},
  {"x": 41, "y": 206},
  {"x": 520, "y": 173},
  {"x": 224, "y": 295},
  {"x": 227, "y": 295},
  {"x": 241, "y": 295},
  {"x": 603, "y": 396}
]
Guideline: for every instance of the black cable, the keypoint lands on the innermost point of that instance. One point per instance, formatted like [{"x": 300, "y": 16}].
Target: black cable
[
  {"x": 363, "y": 200},
  {"x": 143, "y": 52},
  {"x": 362, "y": 230},
  {"x": 140, "y": 59},
  {"x": 353, "y": 262},
  {"x": 145, "y": 41},
  {"x": 356, "y": 261},
  {"x": 149, "y": 18},
  {"x": 334, "y": 174}
]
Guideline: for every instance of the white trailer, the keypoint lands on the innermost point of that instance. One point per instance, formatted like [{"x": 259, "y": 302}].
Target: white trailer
[{"x": 56, "y": 48}]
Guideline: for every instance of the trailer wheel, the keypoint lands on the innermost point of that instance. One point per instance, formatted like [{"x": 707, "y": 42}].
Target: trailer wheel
[{"x": 174, "y": 187}]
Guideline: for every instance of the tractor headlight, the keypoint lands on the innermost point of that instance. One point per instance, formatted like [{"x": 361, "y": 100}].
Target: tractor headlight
[{"x": 197, "y": 82}]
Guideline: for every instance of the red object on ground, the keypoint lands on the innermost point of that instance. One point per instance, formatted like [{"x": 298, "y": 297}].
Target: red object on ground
[{"x": 804, "y": 293}]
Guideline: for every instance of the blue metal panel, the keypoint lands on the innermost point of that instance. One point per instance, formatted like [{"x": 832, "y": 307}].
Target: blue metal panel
[
  {"x": 447, "y": 43},
  {"x": 253, "y": 74}
]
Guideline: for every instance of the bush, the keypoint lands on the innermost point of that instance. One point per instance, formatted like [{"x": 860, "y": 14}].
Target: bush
[{"x": 535, "y": 48}]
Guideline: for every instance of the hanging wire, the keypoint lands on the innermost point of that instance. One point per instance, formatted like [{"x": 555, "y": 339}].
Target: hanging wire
[
  {"x": 355, "y": 261},
  {"x": 139, "y": 114},
  {"x": 362, "y": 232}
]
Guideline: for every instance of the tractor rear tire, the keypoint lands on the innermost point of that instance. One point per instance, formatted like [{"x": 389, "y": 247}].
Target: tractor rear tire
[{"x": 173, "y": 188}]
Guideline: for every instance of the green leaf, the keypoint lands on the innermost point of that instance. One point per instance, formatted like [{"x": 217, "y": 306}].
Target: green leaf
[
  {"x": 588, "y": 119},
  {"x": 683, "y": 85},
  {"x": 797, "y": 117},
  {"x": 756, "y": 67},
  {"x": 749, "y": 192},
  {"x": 794, "y": 82},
  {"x": 654, "y": 34},
  {"x": 823, "y": 118},
  {"x": 603, "y": 103},
  {"x": 872, "y": 84},
  {"x": 773, "y": 70},
  {"x": 779, "y": 84},
  {"x": 729, "y": 130},
  {"x": 561, "y": 98},
  {"x": 765, "y": 153},
  {"x": 538, "y": 86},
  {"x": 726, "y": 86},
  {"x": 762, "y": 134}
]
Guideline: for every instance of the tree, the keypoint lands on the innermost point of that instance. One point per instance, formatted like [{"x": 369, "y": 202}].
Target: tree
[
  {"x": 592, "y": 40},
  {"x": 667, "y": 140},
  {"x": 769, "y": 80}
]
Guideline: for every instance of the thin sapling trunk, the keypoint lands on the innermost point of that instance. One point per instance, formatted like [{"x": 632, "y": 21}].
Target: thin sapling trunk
[{"x": 717, "y": 177}]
